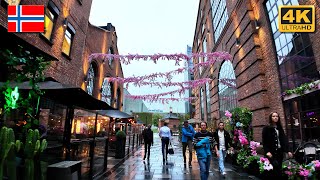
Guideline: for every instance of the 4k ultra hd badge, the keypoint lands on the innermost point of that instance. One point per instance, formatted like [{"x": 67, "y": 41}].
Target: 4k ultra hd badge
[{"x": 296, "y": 18}]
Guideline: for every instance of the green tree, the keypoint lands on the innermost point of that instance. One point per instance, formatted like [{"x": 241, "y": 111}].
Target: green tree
[
  {"x": 155, "y": 119},
  {"x": 25, "y": 66},
  {"x": 145, "y": 117}
]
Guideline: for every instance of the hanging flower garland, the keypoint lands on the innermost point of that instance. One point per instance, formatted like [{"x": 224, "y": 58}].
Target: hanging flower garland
[
  {"x": 126, "y": 59},
  {"x": 161, "y": 100},
  {"x": 138, "y": 82}
]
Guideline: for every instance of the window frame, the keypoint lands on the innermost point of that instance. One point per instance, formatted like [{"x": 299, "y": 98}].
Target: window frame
[
  {"x": 72, "y": 32},
  {"x": 53, "y": 9}
]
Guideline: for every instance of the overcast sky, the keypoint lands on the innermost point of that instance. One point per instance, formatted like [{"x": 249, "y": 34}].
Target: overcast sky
[{"x": 149, "y": 27}]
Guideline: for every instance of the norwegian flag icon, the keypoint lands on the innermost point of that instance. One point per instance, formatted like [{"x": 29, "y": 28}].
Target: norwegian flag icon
[{"x": 26, "y": 18}]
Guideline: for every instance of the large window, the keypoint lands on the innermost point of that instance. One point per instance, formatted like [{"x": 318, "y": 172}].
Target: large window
[
  {"x": 204, "y": 48},
  {"x": 208, "y": 101},
  {"x": 201, "y": 104},
  {"x": 110, "y": 60},
  {"x": 227, "y": 88},
  {"x": 67, "y": 40},
  {"x": 51, "y": 14},
  {"x": 219, "y": 16},
  {"x": 294, "y": 51},
  {"x": 106, "y": 91},
  {"x": 90, "y": 80}
]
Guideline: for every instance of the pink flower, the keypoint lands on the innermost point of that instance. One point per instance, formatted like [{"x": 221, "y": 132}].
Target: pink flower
[
  {"x": 243, "y": 140},
  {"x": 288, "y": 173},
  {"x": 228, "y": 114},
  {"x": 304, "y": 172}
]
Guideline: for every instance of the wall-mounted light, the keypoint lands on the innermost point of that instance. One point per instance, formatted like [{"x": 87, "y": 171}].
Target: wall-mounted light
[
  {"x": 237, "y": 42},
  {"x": 65, "y": 22},
  {"x": 257, "y": 24},
  {"x": 85, "y": 79},
  {"x": 103, "y": 61},
  {"x": 208, "y": 32}
]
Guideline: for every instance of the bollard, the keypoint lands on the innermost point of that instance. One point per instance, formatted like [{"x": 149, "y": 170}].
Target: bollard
[
  {"x": 137, "y": 140},
  {"x": 133, "y": 141},
  {"x": 129, "y": 144}
]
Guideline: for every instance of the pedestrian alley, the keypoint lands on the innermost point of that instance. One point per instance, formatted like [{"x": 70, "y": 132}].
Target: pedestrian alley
[{"x": 135, "y": 168}]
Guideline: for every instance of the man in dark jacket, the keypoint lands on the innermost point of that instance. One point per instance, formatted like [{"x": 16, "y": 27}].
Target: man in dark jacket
[
  {"x": 223, "y": 140},
  {"x": 148, "y": 141}
]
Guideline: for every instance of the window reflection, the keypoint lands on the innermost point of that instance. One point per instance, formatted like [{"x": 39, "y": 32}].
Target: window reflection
[
  {"x": 52, "y": 121},
  {"x": 227, "y": 88},
  {"x": 219, "y": 16},
  {"x": 294, "y": 51}
]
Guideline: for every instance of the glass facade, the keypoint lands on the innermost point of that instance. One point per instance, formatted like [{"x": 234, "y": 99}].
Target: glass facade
[
  {"x": 296, "y": 67},
  {"x": 219, "y": 16},
  {"x": 227, "y": 88},
  {"x": 294, "y": 51}
]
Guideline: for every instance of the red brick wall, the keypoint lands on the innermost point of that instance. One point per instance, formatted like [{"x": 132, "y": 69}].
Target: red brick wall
[
  {"x": 88, "y": 39},
  {"x": 254, "y": 61},
  {"x": 106, "y": 39}
]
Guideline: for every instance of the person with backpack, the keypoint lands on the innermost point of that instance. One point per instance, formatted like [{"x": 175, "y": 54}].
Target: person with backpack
[
  {"x": 187, "y": 140},
  {"x": 203, "y": 141},
  {"x": 148, "y": 141}
]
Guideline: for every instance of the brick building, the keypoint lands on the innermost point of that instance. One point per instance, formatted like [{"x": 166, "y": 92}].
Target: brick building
[
  {"x": 73, "y": 133},
  {"x": 69, "y": 39},
  {"x": 264, "y": 64}
]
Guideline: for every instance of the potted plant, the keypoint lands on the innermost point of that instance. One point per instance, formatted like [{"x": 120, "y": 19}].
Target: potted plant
[{"x": 120, "y": 143}]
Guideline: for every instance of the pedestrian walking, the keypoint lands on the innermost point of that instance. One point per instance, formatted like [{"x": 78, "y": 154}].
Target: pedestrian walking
[
  {"x": 223, "y": 140},
  {"x": 275, "y": 144},
  {"x": 203, "y": 141},
  {"x": 165, "y": 136},
  {"x": 148, "y": 141},
  {"x": 187, "y": 139}
]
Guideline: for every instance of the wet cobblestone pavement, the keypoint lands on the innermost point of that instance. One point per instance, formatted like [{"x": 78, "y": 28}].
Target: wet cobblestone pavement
[{"x": 134, "y": 168}]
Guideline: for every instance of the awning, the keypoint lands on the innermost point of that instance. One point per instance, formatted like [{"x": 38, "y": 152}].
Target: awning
[
  {"x": 66, "y": 95},
  {"x": 115, "y": 114}
]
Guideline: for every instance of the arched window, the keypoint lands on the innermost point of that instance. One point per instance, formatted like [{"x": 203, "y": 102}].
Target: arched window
[
  {"x": 90, "y": 79},
  {"x": 106, "y": 91},
  {"x": 110, "y": 60},
  {"x": 227, "y": 88}
]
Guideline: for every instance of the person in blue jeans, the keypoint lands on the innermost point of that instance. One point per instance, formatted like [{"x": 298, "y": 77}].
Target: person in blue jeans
[
  {"x": 202, "y": 142},
  {"x": 187, "y": 138},
  {"x": 223, "y": 140},
  {"x": 165, "y": 135}
]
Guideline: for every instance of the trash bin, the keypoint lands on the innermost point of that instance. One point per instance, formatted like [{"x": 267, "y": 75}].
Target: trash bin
[{"x": 66, "y": 170}]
